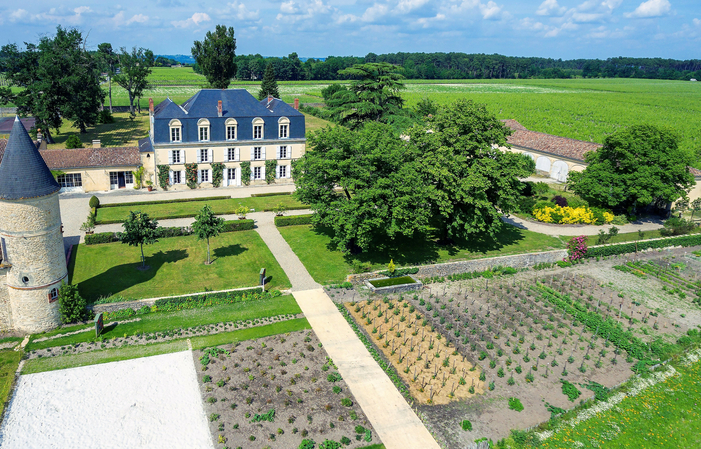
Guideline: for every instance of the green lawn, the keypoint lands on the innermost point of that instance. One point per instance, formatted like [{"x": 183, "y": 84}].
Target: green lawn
[
  {"x": 163, "y": 321},
  {"x": 176, "y": 267},
  {"x": 313, "y": 123},
  {"x": 664, "y": 416},
  {"x": 192, "y": 208},
  {"x": 9, "y": 360},
  {"x": 328, "y": 265},
  {"x": 123, "y": 132}
]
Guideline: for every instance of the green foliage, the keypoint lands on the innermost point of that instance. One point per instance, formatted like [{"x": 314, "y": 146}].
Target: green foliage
[
  {"x": 217, "y": 173},
  {"x": 329, "y": 444},
  {"x": 139, "y": 229},
  {"x": 89, "y": 224},
  {"x": 101, "y": 237},
  {"x": 515, "y": 404},
  {"x": 138, "y": 176},
  {"x": 604, "y": 237},
  {"x": 636, "y": 167},
  {"x": 174, "y": 200},
  {"x": 238, "y": 225},
  {"x": 94, "y": 202},
  {"x": 191, "y": 175},
  {"x": 554, "y": 411},
  {"x": 73, "y": 141},
  {"x": 466, "y": 425},
  {"x": 269, "y": 85},
  {"x": 399, "y": 272},
  {"x": 245, "y": 172},
  {"x": 215, "y": 56},
  {"x": 677, "y": 226},
  {"x": 624, "y": 248},
  {"x": 207, "y": 225},
  {"x": 269, "y": 416},
  {"x": 163, "y": 176},
  {"x": 569, "y": 390},
  {"x": 293, "y": 220},
  {"x": 105, "y": 117},
  {"x": 270, "y": 167},
  {"x": 391, "y": 267},
  {"x": 307, "y": 444},
  {"x": 600, "y": 392},
  {"x": 135, "y": 67},
  {"x": 71, "y": 305}
]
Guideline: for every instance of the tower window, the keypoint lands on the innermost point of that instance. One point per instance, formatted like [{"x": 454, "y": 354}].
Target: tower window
[
  {"x": 53, "y": 295},
  {"x": 25, "y": 279}
]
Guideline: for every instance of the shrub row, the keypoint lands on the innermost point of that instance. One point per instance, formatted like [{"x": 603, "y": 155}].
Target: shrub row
[
  {"x": 487, "y": 274},
  {"x": 270, "y": 194},
  {"x": 293, "y": 220},
  {"x": 624, "y": 248},
  {"x": 194, "y": 302},
  {"x": 178, "y": 200},
  {"x": 399, "y": 272},
  {"x": 163, "y": 232},
  {"x": 386, "y": 366}
]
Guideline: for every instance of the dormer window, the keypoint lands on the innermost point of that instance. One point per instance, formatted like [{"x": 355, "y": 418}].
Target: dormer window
[
  {"x": 203, "y": 127},
  {"x": 258, "y": 128},
  {"x": 283, "y": 128},
  {"x": 231, "y": 126},
  {"x": 175, "y": 131}
]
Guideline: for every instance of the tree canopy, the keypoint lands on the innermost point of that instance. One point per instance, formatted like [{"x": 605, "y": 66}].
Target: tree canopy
[
  {"x": 636, "y": 167},
  {"x": 139, "y": 229},
  {"x": 135, "y": 67},
  {"x": 215, "y": 56},
  {"x": 269, "y": 84},
  {"x": 444, "y": 174},
  {"x": 207, "y": 225}
]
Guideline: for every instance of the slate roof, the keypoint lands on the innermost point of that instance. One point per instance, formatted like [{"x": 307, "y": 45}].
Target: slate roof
[
  {"x": 64, "y": 159},
  {"x": 145, "y": 145},
  {"x": 235, "y": 103},
  {"x": 547, "y": 143},
  {"x": 23, "y": 172},
  {"x": 7, "y": 122}
]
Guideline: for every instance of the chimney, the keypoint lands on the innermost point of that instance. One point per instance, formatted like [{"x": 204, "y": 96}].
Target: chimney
[
  {"x": 39, "y": 136},
  {"x": 219, "y": 109},
  {"x": 296, "y": 106},
  {"x": 150, "y": 106},
  {"x": 96, "y": 144},
  {"x": 270, "y": 98}
]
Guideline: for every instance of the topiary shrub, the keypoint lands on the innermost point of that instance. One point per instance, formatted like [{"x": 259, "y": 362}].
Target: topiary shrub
[
  {"x": 94, "y": 202},
  {"x": 71, "y": 305},
  {"x": 105, "y": 116},
  {"x": 73, "y": 141},
  {"x": 560, "y": 200}
]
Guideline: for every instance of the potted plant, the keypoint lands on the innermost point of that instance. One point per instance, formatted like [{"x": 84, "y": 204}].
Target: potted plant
[
  {"x": 242, "y": 211},
  {"x": 279, "y": 210},
  {"x": 89, "y": 226},
  {"x": 149, "y": 185}
]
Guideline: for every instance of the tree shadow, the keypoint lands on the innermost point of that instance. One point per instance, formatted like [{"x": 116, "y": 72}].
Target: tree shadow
[
  {"x": 121, "y": 277},
  {"x": 226, "y": 251}
]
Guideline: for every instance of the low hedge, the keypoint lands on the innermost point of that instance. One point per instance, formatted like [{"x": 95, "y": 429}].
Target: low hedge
[
  {"x": 399, "y": 272},
  {"x": 624, "y": 248},
  {"x": 238, "y": 225},
  {"x": 293, "y": 220},
  {"x": 178, "y": 200},
  {"x": 270, "y": 194},
  {"x": 101, "y": 237}
]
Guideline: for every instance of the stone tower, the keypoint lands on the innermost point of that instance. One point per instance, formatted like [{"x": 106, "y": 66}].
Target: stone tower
[{"x": 31, "y": 238}]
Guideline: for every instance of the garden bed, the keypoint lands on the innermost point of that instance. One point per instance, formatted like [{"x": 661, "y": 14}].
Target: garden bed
[
  {"x": 393, "y": 285},
  {"x": 276, "y": 392}
]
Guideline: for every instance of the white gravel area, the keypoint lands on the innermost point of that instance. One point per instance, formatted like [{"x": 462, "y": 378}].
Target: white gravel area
[{"x": 151, "y": 402}]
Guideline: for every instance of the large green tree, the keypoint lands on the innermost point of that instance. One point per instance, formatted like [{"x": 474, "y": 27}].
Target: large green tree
[
  {"x": 381, "y": 195},
  {"x": 472, "y": 182},
  {"x": 139, "y": 230},
  {"x": 134, "y": 69},
  {"x": 636, "y": 166},
  {"x": 58, "y": 77},
  {"x": 269, "y": 84},
  {"x": 207, "y": 225},
  {"x": 108, "y": 60},
  {"x": 215, "y": 56},
  {"x": 373, "y": 95}
]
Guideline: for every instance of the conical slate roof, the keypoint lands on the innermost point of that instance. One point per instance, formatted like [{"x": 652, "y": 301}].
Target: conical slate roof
[{"x": 23, "y": 172}]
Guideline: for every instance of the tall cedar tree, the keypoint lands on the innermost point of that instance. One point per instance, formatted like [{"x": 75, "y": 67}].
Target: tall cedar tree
[
  {"x": 207, "y": 225},
  {"x": 215, "y": 56},
  {"x": 636, "y": 167},
  {"x": 372, "y": 96},
  {"x": 59, "y": 79},
  {"x": 269, "y": 85},
  {"x": 135, "y": 67},
  {"x": 139, "y": 229},
  {"x": 472, "y": 182}
]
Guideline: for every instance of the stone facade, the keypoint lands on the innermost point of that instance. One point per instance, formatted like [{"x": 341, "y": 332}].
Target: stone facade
[
  {"x": 34, "y": 242},
  {"x": 5, "y": 309}
]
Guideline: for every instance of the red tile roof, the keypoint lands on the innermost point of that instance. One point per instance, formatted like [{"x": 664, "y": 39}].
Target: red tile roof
[
  {"x": 63, "y": 159},
  {"x": 695, "y": 171},
  {"x": 547, "y": 143}
]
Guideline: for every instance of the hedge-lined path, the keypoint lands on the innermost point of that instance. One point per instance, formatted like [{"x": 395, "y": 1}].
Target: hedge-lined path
[{"x": 648, "y": 224}]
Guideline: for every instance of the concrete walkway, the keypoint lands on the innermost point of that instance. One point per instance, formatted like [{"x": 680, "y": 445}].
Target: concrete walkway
[{"x": 573, "y": 230}]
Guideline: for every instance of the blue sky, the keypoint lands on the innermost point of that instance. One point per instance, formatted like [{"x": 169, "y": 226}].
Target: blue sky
[{"x": 550, "y": 28}]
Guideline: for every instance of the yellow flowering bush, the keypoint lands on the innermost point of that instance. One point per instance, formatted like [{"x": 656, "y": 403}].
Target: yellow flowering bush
[{"x": 569, "y": 215}]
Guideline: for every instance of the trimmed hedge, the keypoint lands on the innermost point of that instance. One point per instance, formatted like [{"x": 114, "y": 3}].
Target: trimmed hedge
[
  {"x": 178, "y": 200},
  {"x": 624, "y": 248},
  {"x": 270, "y": 194},
  {"x": 238, "y": 225},
  {"x": 101, "y": 237},
  {"x": 293, "y": 220},
  {"x": 399, "y": 272}
]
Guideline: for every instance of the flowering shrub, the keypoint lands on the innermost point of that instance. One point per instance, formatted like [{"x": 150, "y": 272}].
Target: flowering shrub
[
  {"x": 191, "y": 175},
  {"x": 577, "y": 248},
  {"x": 570, "y": 215}
]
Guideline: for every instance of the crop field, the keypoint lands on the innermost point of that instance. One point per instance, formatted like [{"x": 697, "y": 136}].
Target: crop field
[{"x": 531, "y": 345}]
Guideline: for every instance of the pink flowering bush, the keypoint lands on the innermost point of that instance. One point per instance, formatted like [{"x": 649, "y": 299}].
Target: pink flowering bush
[{"x": 577, "y": 248}]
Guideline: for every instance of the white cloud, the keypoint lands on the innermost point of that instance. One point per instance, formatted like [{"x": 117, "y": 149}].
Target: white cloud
[
  {"x": 241, "y": 11},
  {"x": 651, "y": 8},
  {"x": 19, "y": 15},
  {"x": 550, "y": 8},
  {"x": 374, "y": 12},
  {"x": 405, "y": 6},
  {"x": 196, "y": 19},
  {"x": 697, "y": 22},
  {"x": 305, "y": 12},
  {"x": 567, "y": 26},
  {"x": 137, "y": 18},
  {"x": 604, "y": 33},
  {"x": 490, "y": 10},
  {"x": 288, "y": 7}
]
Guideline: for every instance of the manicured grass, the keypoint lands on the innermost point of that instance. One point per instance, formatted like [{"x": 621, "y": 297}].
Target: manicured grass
[
  {"x": 176, "y": 267},
  {"x": 192, "y": 208},
  {"x": 313, "y": 123},
  {"x": 163, "y": 321},
  {"x": 633, "y": 236},
  {"x": 664, "y": 416},
  {"x": 104, "y": 356},
  {"x": 124, "y": 132},
  {"x": 9, "y": 360},
  {"x": 250, "y": 334},
  {"x": 328, "y": 264}
]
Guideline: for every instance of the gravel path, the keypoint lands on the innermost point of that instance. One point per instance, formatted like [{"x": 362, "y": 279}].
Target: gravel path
[
  {"x": 151, "y": 402},
  {"x": 572, "y": 230}
]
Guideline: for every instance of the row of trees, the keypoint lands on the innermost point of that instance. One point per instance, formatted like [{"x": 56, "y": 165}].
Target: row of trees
[{"x": 60, "y": 79}]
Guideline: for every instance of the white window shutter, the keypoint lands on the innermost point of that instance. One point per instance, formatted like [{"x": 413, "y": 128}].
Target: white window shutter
[
  {"x": 199, "y": 177},
  {"x": 182, "y": 156},
  {"x": 170, "y": 177},
  {"x": 211, "y": 155},
  {"x": 278, "y": 153},
  {"x": 237, "y": 154},
  {"x": 170, "y": 158},
  {"x": 183, "y": 180},
  {"x": 253, "y": 170},
  {"x": 238, "y": 176},
  {"x": 277, "y": 171},
  {"x": 288, "y": 173},
  {"x": 262, "y": 172},
  {"x": 225, "y": 176},
  {"x": 210, "y": 175},
  {"x": 262, "y": 153},
  {"x": 253, "y": 152}
]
